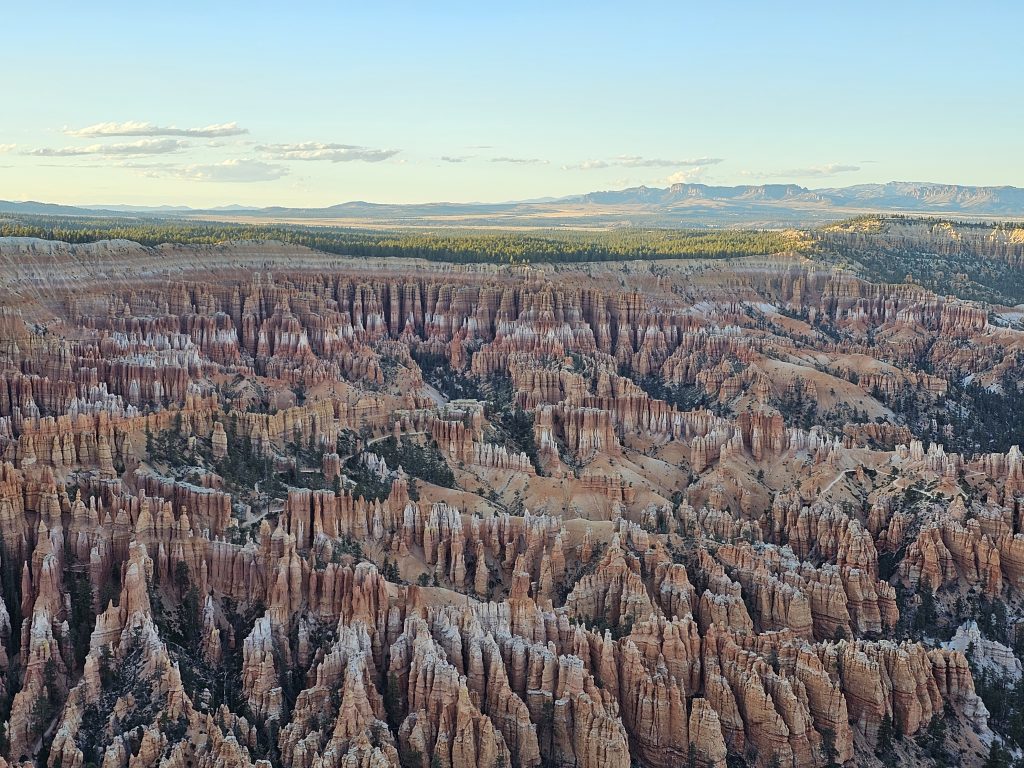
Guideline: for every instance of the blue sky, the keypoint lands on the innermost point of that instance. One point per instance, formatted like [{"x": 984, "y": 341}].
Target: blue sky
[{"x": 312, "y": 104}]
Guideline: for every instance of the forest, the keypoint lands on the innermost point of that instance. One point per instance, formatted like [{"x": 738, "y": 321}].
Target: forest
[
  {"x": 969, "y": 260},
  {"x": 459, "y": 246}
]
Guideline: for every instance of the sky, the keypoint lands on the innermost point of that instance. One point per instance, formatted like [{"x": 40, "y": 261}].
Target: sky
[{"x": 311, "y": 104}]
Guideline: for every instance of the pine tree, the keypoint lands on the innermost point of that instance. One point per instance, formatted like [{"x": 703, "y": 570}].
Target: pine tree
[
  {"x": 885, "y": 737},
  {"x": 998, "y": 757}
]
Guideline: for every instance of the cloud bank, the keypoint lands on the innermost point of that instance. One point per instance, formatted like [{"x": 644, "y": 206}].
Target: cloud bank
[
  {"x": 693, "y": 175},
  {"x": 141, "y": 147},
  {"x": 335, "y": 153},
  {"x": 519, "y": 160},
  {"x": 234, "y": 171},
  {"x": 636, "y": 161},
  {"x": 812, "y": 172},
  {"x": 137, "y": 128}
]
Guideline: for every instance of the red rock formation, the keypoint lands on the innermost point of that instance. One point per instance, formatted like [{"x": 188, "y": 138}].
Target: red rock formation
[{"x": 732, "y": 607}]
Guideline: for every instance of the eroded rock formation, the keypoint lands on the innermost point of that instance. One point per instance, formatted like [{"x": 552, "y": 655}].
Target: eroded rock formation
[{"x": 280, "y": 509}]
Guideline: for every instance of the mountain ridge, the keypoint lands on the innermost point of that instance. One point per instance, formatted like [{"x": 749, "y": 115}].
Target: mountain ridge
[{"x": 683, "y": 204}]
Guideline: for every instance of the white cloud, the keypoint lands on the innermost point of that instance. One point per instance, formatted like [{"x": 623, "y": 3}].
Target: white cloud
[
  {"x": 688, "y": 176},
  {"x": 136, "y": 128},
  {"x": 833, "y": 169},
  {"x": 7, "y": 147},
  {"x": 141, "y": 147},
  {"x": 815, "y": 172},
  {"x": 242, "y": 171},
  {"x": 234, "y": 170},
  {"x": 587, "y": 165},
  {"x": 519, "y": 160},
  {"x": 335, "y": 153},
  {"x": 633, "y": 161},
  {"x": 455, "y": 158},
  {"x": 636, "y": 161}
]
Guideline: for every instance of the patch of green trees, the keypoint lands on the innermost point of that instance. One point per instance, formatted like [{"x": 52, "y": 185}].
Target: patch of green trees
[{"x": 460, "y": 246}]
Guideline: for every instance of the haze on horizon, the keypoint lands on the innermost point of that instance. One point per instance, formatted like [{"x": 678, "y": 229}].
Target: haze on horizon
[{"x": 212, "y": 106}]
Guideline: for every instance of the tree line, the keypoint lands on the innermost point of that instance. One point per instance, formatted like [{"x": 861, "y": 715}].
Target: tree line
[{"x": 458, "y": 246}]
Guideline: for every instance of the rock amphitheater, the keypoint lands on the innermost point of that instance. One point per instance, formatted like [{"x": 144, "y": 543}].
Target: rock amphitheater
[{"x": 508, "y": 517}]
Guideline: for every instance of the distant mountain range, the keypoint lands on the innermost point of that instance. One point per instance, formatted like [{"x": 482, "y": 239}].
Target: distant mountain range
[
  {"x": 894, "y": 195},
  {"x": 677, "y": 205}
]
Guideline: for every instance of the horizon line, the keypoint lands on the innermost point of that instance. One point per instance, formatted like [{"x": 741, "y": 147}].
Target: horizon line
[{"x": 542, "y": 199}]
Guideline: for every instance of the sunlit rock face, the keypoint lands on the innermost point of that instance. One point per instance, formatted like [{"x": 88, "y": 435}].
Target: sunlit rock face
[{"x": 261, "y": 505}]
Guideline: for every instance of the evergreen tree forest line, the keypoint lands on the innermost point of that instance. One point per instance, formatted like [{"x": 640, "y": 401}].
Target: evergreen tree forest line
[
  {"x": 987, "y": 269},
  {"x": 458, "y": 246}
]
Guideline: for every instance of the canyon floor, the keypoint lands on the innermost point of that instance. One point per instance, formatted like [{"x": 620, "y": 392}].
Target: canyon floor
[{"x": 261, "y": 505}]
